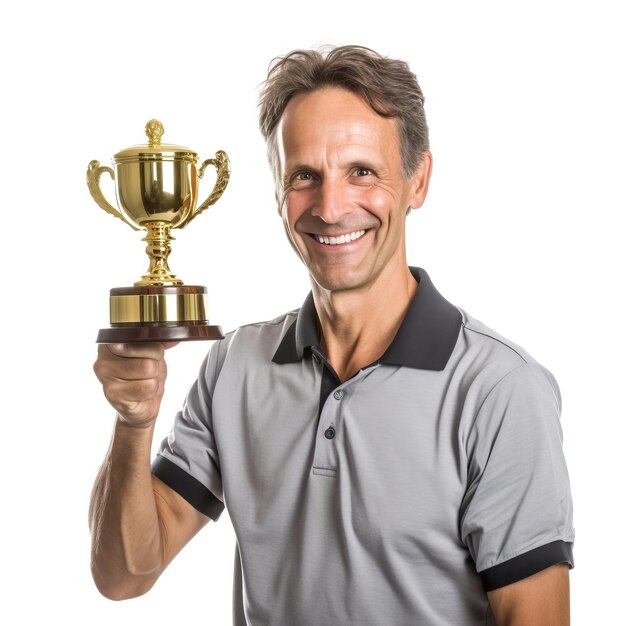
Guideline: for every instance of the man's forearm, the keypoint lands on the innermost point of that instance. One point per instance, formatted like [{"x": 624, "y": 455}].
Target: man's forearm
[
  {"x": 126, "y": 555},
  {"x": 541, "y": 599}
]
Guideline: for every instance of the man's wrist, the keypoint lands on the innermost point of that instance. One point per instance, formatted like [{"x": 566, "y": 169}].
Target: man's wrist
[{"x": 146, "y": 424}]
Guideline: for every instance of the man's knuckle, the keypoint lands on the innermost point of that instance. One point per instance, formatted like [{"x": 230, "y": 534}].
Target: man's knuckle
[
  {"x": 147, "y": 368},
  {"x": 153, "y": 386},
  {"x": 97, "y": 368},
  {"x": 144, "y": 389}
]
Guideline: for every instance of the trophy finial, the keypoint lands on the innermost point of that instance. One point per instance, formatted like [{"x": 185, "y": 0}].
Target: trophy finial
[{"x": 154, "y": 130}]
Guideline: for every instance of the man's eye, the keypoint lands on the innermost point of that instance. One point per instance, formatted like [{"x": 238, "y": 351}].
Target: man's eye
[
  {"x": 362, "y": 171},
  {"x": 302, "y": 180}
]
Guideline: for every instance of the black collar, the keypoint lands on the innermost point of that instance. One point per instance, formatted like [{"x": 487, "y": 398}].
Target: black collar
[{"x": 425, "y": 339}]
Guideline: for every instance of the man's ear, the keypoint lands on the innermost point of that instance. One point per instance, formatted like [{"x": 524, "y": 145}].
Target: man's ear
[{"x": 420, "y": 180}]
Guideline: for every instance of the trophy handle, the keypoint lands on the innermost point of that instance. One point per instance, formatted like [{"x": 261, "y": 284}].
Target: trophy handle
[
  {"x": 94, "y": 171},
  {"x": 222, "y": 165}
]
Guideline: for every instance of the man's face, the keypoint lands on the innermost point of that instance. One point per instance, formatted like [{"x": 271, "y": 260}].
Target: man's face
[{"x": 342, "y": 194}]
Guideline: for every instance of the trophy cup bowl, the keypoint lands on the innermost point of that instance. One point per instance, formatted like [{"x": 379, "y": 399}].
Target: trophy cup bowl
[{"x": 156, "y": 187}]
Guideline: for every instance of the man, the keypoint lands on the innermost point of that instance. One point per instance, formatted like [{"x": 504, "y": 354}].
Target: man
[{"x": 386, "y": 459}]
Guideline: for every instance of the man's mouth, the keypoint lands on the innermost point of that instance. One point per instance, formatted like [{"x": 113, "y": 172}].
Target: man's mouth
[{"x": 345, "y": 238}]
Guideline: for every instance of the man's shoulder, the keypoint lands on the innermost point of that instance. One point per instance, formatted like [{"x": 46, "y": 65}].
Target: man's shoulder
[
  {"x": 482, "y": 337},
  {"x": 275, "y": 326},
  {"x": 259, "y": 339},
  {"x": 489, "y": 357}
]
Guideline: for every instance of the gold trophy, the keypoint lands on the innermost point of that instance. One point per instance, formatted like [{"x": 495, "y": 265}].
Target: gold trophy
[{"x": 157, "y": 189}]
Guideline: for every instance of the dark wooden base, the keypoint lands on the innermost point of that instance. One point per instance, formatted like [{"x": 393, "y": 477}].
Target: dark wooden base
[{"x": 145, "y": 333}]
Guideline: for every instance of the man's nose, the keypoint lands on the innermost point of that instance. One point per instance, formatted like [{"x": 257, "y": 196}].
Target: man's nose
[{"x": 331, "y": 201}]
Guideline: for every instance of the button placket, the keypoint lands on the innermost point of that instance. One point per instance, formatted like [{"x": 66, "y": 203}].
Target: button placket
[
  {"x": 338, "y": 395},
  {"x": 330, "y": 432},
  {"x": 327, "y": 442},
  {"x": 325, "y": 457}
]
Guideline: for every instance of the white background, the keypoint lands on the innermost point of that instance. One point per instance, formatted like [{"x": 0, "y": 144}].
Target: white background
[{"x": 523, "y": 228}]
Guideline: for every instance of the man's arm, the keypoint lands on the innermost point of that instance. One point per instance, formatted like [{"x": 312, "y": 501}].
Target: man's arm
[
  {"x": 539, "y": 600},
  {"x": 138, "y": 523}
]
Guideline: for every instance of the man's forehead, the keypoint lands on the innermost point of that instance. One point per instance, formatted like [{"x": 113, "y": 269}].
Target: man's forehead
[
  {"x": 329, "y": 103},
  {"x": 333, "y": 115}
]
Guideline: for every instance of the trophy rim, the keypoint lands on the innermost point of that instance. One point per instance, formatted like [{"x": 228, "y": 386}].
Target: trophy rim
[
  {"x": 158, "y": 290},
  {"x": 165, "y": 152}
]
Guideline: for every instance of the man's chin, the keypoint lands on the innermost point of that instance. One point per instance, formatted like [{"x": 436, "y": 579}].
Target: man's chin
[{"x": 338, "y": 279}]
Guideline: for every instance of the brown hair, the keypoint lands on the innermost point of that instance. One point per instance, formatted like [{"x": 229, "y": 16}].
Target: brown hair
[{"x": 387, "y": 85}]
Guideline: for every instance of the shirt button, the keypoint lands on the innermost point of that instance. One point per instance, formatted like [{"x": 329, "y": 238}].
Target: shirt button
[
  {"x": 338, "y": 394},
  {"x": 329, "y": 433}
]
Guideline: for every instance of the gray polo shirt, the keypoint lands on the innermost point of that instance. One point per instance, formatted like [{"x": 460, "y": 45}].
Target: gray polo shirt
[{"x": 396, "y": 497}]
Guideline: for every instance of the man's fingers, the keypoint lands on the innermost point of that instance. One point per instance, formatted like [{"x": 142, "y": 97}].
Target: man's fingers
[
  {"x": 132, "y": 377},
  {"x": 129, "y": 362},
  {"x": 128, "y": 369},
  {"x": 131, "y": 391},
  {"x": 135, "y": 350}
]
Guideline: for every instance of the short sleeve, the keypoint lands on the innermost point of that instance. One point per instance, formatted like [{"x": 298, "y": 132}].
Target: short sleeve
[
  {"x": 516, "y": 517},
  {"x": 188, "y": 458}
]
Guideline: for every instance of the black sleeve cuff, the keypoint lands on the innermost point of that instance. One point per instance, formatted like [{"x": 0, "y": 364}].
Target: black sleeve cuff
[
  {"x": 527, "y": 564},
  {"x": 188, "y": 487}
]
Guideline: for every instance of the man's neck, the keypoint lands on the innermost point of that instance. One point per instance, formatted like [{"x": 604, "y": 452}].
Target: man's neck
[{"x": 359, "y": 325}]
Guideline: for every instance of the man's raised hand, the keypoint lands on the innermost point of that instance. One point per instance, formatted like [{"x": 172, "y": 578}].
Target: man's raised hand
[{"x": 133, "y": 379}]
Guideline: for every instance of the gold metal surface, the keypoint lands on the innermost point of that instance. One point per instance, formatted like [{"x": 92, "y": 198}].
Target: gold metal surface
[
  {"x": 222, "y": 166},
  {"x": 158, "y": 249},
  {"x": 163, "y": 308},
  {"x": 150, "y": 191},
  {"x": 155, "y": 150},
  {"x": 156, "y": 186},
  {"x": 94, "y": 171},
  {"x": 154, "y": 130}
]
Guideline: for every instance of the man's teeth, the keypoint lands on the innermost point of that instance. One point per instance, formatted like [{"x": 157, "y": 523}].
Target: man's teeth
[{"x": 333, "y": 241}]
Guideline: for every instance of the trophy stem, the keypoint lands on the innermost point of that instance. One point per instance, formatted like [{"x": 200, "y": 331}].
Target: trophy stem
[{"x": 158, "y": 249}]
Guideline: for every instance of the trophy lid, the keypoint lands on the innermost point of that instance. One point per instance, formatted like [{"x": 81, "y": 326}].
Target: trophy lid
[{"x": 154, "y": 150}]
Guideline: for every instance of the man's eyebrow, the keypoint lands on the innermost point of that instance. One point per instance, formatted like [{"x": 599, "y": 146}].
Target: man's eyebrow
[{"x": 365, "y": 163}]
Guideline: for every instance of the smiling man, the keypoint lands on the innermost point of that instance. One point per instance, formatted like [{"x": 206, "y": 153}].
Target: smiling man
[
  {"x": 344, "y": 200},
  {"x": 386, "y": 459}
]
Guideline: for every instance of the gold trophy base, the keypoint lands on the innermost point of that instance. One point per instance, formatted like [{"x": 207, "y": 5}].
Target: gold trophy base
[{"x": 150, "y": 313}]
